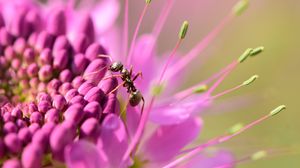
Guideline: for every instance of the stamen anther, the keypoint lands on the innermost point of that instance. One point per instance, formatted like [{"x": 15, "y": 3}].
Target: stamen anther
[
  {"x": 259, "y": 155},
  {"x": 257, "y": 51},
  {"x": 245, "y": 55},
  {"x": 240, "y": 7},
  {"x": 250, "y": 80},
  {"x": 235, "y": 128},
  {"x": 183, "y": 30},
  {"x": 157, "y": 89},
  {"x": 200, "y": 89},
  {"x": 277, "y": 110}
]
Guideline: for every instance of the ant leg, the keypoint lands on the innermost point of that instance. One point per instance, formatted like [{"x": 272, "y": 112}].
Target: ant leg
[
  {"x": 143, "y": 105},
  {"x": 131, "y": 70},
  {"x": 112, "y": 76},
  {"x": 137, "y": 75},
  {"x": 117, "y": 87}
]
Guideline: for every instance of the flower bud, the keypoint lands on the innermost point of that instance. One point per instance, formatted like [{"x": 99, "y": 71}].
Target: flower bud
[
  {"x": 77, "y": 81},
  {"x": 95, "y": 70},
  {"x": 9, "y": 127},
  {"x": 81, "y": 43},
  {"x": 93, "y": 51},
  {"x": 24, "y": 135},
  {"x": 36, "y": 117},
  {"x": 85, "y": 87},
  {"x": 94, "y": 94},
  {"x": 92, "y": 109},
  {"x": 44, "y": 40},
  {"x": 70, "y": 94},
  {"x": 79, "y": 63},
  {"x": 74, "y": 113},
  {"x": 66, "y": 76},
  {"x": 12, "y": 163},
  {"x": 13, "y": 143},
  {"x": 61, "y": 59},
  {"x": 65, "y": 87},
  {"x": 29, "y": 55},
  {"x": 52, "y": 115},
  {"x": 45, "y": 73},
  {"x": 32, "y": 70},
  {"x": 46, "y": 57},
  {"x": 61, "y": 136},
  {"x": 61, "y": 43},
  {"x": 32, "y": 156},
  {"x": 56, "y": 24},
  {"x": 90, "y": 129}
]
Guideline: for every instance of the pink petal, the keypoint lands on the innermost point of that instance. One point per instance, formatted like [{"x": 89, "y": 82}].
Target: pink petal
[
  {"x": 111, "y": 41},
  {"x": 132, "y": 119},
  {"x": 104, "y": 14},
  {"x": 167, "y": 141},
  {"x": 8, "y": 8},
  {"x": 144, "y": 61},
  {"x": 83, "y": 154},
  {"x": 179, "y": 111},
  {"x": 114, "y": 138},
  {"x": 219, "y": 159}
]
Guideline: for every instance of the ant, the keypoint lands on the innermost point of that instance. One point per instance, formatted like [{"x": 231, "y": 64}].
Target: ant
[{"x": 135, "y": 96}]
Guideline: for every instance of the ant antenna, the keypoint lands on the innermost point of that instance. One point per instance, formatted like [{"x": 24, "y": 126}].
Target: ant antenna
[
  {"x": 92, "y": 73},
  {"x": 106, "y": 56},
  {"x": 101, "y": 69}
]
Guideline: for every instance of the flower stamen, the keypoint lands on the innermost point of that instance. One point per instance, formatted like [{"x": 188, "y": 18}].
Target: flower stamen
[
  {"x": 245, "y": 83},
  {"x": 159, "y": 25},
  {"x": 224, "y": 138},
  {"x": 132, "y": 46},
  {"x": 125, "y": 28},
  {"x": 185, "y": 60},
  {"x": 221, "y": 75},
  {"x": 145, "y": 115}
]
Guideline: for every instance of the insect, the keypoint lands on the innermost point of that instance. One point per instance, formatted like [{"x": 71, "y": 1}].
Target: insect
[{"x": 135, "y": 96}]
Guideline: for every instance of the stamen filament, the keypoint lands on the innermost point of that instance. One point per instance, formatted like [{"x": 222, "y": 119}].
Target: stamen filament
[
  {"x": 225, "y": 92},
  {"x": 125, "y": 28},
  {"x": 217, "y": 83},
  {"x": 159, "y": 25},
  {"x": 132, "y": 46},
  {"x": 221, "y": 139},
  {"x": 247, "y": 82},
  {"x": 189, "y": 91},
  {"x": 144, "y": 118},
  {"x": 258, "y": 155},
  {"x": 169, "y": 61},
  {"x": 162, "y": 18},
  {"x": 139, "y": 132}
]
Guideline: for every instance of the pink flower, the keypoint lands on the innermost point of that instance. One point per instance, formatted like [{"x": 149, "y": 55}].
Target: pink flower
[
  {"x": 113, "y": 141},
  {"x": 59, "y": 86}
]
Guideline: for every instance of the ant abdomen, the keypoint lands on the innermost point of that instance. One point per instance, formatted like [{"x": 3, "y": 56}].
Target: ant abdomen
[{"x": 135, "y": 98}]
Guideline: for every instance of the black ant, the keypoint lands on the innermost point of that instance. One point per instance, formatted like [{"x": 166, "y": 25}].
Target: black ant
[{"x": 135, "y": 96}]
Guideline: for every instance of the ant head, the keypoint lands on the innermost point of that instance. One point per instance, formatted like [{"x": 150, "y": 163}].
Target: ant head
[
  {"x": 116, "y": 66},
  {"x": 135, "y": 98}
]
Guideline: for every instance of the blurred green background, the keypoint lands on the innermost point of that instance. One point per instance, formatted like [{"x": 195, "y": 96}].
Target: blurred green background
[{"x": 273, "y": 24}]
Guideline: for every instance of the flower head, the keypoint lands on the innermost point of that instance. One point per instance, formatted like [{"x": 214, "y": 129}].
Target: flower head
[{"x": 59, "y": 84}]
